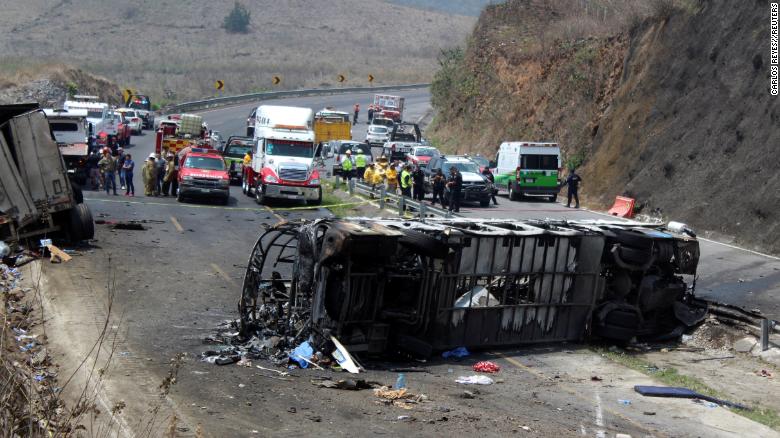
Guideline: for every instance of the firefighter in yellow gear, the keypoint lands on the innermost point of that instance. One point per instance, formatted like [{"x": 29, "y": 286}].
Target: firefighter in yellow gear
[{"x": 391, "y": 175}]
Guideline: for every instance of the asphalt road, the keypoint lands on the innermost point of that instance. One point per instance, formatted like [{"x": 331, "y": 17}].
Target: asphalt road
[{"x": 181, "y": 277}]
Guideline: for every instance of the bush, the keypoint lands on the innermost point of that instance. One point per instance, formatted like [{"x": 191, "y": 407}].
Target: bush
[
  {"x": 72, "y": 89},
  {"x": 237, "y": 21}
]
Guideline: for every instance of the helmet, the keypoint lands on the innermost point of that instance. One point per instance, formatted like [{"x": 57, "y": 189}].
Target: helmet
[
  {"x": 349, "y": 152},
  {"x": 360, "y": 151}
]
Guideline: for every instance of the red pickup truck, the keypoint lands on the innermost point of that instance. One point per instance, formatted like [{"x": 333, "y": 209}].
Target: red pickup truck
[{"x": 202, "y": 173}]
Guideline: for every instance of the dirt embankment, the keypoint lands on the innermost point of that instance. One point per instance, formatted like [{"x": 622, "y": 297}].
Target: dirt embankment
[
  {"x": 669, "y": 105},
  {"x": 50, "y": 84}
]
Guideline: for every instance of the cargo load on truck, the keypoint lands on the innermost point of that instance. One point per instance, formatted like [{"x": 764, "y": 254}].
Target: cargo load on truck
[
  {"x": 179, "y": 131},
  {"x": 36, "y": 196},
  {"x": 331, "y": 125}
]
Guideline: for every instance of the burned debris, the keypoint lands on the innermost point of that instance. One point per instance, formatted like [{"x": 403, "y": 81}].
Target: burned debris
[{"x": 390, "y": 285}]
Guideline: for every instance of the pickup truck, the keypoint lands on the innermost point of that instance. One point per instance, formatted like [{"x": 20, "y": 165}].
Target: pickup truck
[
  {"x": 202, "y": 173},
  {"x": 36, "y": 195},
  {"x": 233, "y": 154}
]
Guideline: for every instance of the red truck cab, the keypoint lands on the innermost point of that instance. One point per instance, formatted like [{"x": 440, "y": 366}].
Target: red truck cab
[{"x": 202, "y": 173}]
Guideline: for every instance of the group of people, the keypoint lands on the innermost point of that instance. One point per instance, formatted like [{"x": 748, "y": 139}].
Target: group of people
[{"x": 159, "y": 174}]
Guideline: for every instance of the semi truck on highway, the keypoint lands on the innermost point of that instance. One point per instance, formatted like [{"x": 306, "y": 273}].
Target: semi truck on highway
[
  {"x": 36, "y": 196},
  {"x": 71, "y": 132},
  {"x": 283, "y": 159}
]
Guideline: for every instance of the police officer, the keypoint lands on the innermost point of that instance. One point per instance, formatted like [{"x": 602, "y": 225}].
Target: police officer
[
  {"x": 346, "y": 167},
  {"x": 492, "y": 186},
  {"x": 360, "y": 164},
  {"x": 438, "y": 181},
  {"x": 419, "y": 184},
  {"x": 455, "y": 184},
  {"x": 406, "y": 181},
  {"x": 573, "y": 184}
]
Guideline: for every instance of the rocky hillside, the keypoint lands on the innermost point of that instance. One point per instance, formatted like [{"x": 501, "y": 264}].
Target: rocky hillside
[
  {"x": 667, "y": 104},
  {"x": 50, "y": 84}
]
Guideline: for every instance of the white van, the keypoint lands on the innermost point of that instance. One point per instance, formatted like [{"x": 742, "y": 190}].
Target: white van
[{"x": 526, "y": 168}]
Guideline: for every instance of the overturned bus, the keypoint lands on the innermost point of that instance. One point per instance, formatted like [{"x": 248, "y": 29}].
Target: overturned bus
[{"x": 388, "y": 284}]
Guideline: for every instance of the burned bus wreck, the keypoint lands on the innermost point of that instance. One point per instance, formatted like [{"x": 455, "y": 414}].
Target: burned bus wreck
[{"x": 380, "y": 285}]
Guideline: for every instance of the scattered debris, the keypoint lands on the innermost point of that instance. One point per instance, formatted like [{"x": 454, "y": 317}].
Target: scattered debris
[
  {"x": 486, "y": 367},
  {"x": 624, "y": 402},
  {"x": 349, "y": 384},
  {"x": 468, "y": 394},
  {"x": 457, "y": 353},
  {"x": 764, "y": 373},
  {"x": 57, "y": 255},
  {"x": 474, "y": 380},
  {"x": 596, "y": 379},
  {"x": 678, "y": 392}
]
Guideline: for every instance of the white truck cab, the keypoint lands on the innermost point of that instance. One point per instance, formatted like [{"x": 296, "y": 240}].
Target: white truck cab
[{"x": 283, "y": 156}]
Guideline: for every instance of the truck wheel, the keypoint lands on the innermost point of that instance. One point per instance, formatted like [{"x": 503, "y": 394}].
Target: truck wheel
[
  {"x": 179, "y": 196},
  {"x": 553, "y": 198},
  {"x": 513, "y": 195},
  {"x": 317, "y": 201},
  {"x": 484, "y": 203},
  {"x": 80, "y": 224},
  {"x": 259, "y": 194},
  {"x": 78, "y": 195}
]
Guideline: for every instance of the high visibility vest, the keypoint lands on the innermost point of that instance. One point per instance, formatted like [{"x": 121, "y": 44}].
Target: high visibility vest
[
  {"x": 360, "y": 161},
  {"x": 405, "y": 177},
  {"x": 347, "y": 164}
]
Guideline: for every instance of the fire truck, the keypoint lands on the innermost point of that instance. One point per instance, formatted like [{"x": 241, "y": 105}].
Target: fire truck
[
  {"x": 283, "y": 156},
  {"x": 180, "y": 131},
  {"x": 391, "y": 107}
]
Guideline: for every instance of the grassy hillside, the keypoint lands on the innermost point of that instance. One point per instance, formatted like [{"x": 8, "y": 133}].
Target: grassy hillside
[
  {"x": 664, "y": 101},
  {"x": 178, "y": 47}
]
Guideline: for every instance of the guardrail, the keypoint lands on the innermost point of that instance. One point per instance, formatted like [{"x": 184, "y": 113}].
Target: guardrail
[
  {"x": 228, "y": 100},
  {"x": 400, "y": 203}
]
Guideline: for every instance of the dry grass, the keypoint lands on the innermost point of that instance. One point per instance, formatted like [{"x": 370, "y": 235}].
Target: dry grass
[{"x": 178, "y": 47}]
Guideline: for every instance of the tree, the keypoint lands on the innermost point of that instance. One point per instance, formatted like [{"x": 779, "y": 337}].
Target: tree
[{"x": 237, "y": 21}]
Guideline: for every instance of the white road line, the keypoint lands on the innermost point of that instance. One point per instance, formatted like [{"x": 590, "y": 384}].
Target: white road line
[{"x": 599, "y": 418}]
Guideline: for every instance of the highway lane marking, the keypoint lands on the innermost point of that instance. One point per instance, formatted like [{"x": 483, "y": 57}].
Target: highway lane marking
[
  {"x": 572, "y": 391},
  {"x": 223, "y": 274},
  {"x": 265, "y": 208},
  {"x": 177, "y": 225}
]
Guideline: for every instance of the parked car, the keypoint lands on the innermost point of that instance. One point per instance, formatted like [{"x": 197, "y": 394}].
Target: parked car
[
  {"x": 398, "y": 150},
  {"x": 123, "y": 131},
  {"x": 421, "y": 155},
  {"x": 382, "y": 121},
  {"x": 481, "y": 161},
  {"x": 133, "y": 119},
  {"x": 475, "y": 186},
  {"x": 340, "y": 148},
  {"x": 250, "y": 123},
  {"x": 377, "y": 135}
]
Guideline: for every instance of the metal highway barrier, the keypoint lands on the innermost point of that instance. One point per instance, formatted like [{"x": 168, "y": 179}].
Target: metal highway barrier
[
  {"x": 400, "y": 203},
  {"x": 228, "y": 100}
]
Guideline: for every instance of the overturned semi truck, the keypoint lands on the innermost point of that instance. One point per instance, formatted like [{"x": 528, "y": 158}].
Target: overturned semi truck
[{"x": 388, "y": 284}]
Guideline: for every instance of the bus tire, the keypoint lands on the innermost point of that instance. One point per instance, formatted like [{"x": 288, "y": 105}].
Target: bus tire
[{"x": 513, "y": 195}]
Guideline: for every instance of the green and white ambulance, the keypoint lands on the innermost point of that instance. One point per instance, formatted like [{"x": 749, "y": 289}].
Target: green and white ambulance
[{"x": 525, "y": 168}]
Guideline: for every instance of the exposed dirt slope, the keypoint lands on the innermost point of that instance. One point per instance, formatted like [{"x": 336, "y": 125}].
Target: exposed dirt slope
[
  {"x": 668, "y": 105},
  {"x": 49, "y": 85}
]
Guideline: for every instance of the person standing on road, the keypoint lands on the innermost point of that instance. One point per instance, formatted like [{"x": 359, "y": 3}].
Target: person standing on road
[
  {"x": 418, "y": 179},
  {"x": 368, "y": 176},
  {"x": 248, "y": 158},
  {"x": 160, "y": 163},
  {"x": 455, "y": 184},
  {"x": 170, "y": 181},
  {"x": 149, "y": 174},
  {"x": 391, "y": 175},
  {"x": 406, "y": 181},
  {"x": 128, "y": 166},
  {"x": 120, "y": 165},
  {"x": 573, "y": 184},
  {"x": 108, "y": 170},
  {"x": 370, "y": 113},
  {"x": 346, "y": 167},
  {"x": 438, "y": 183},
  {"x": 357, "y": 111},
  {"x": 94, "y": 170},
  {"x": 492, "y": 184},
  {"x": 360, "y": 164}
]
